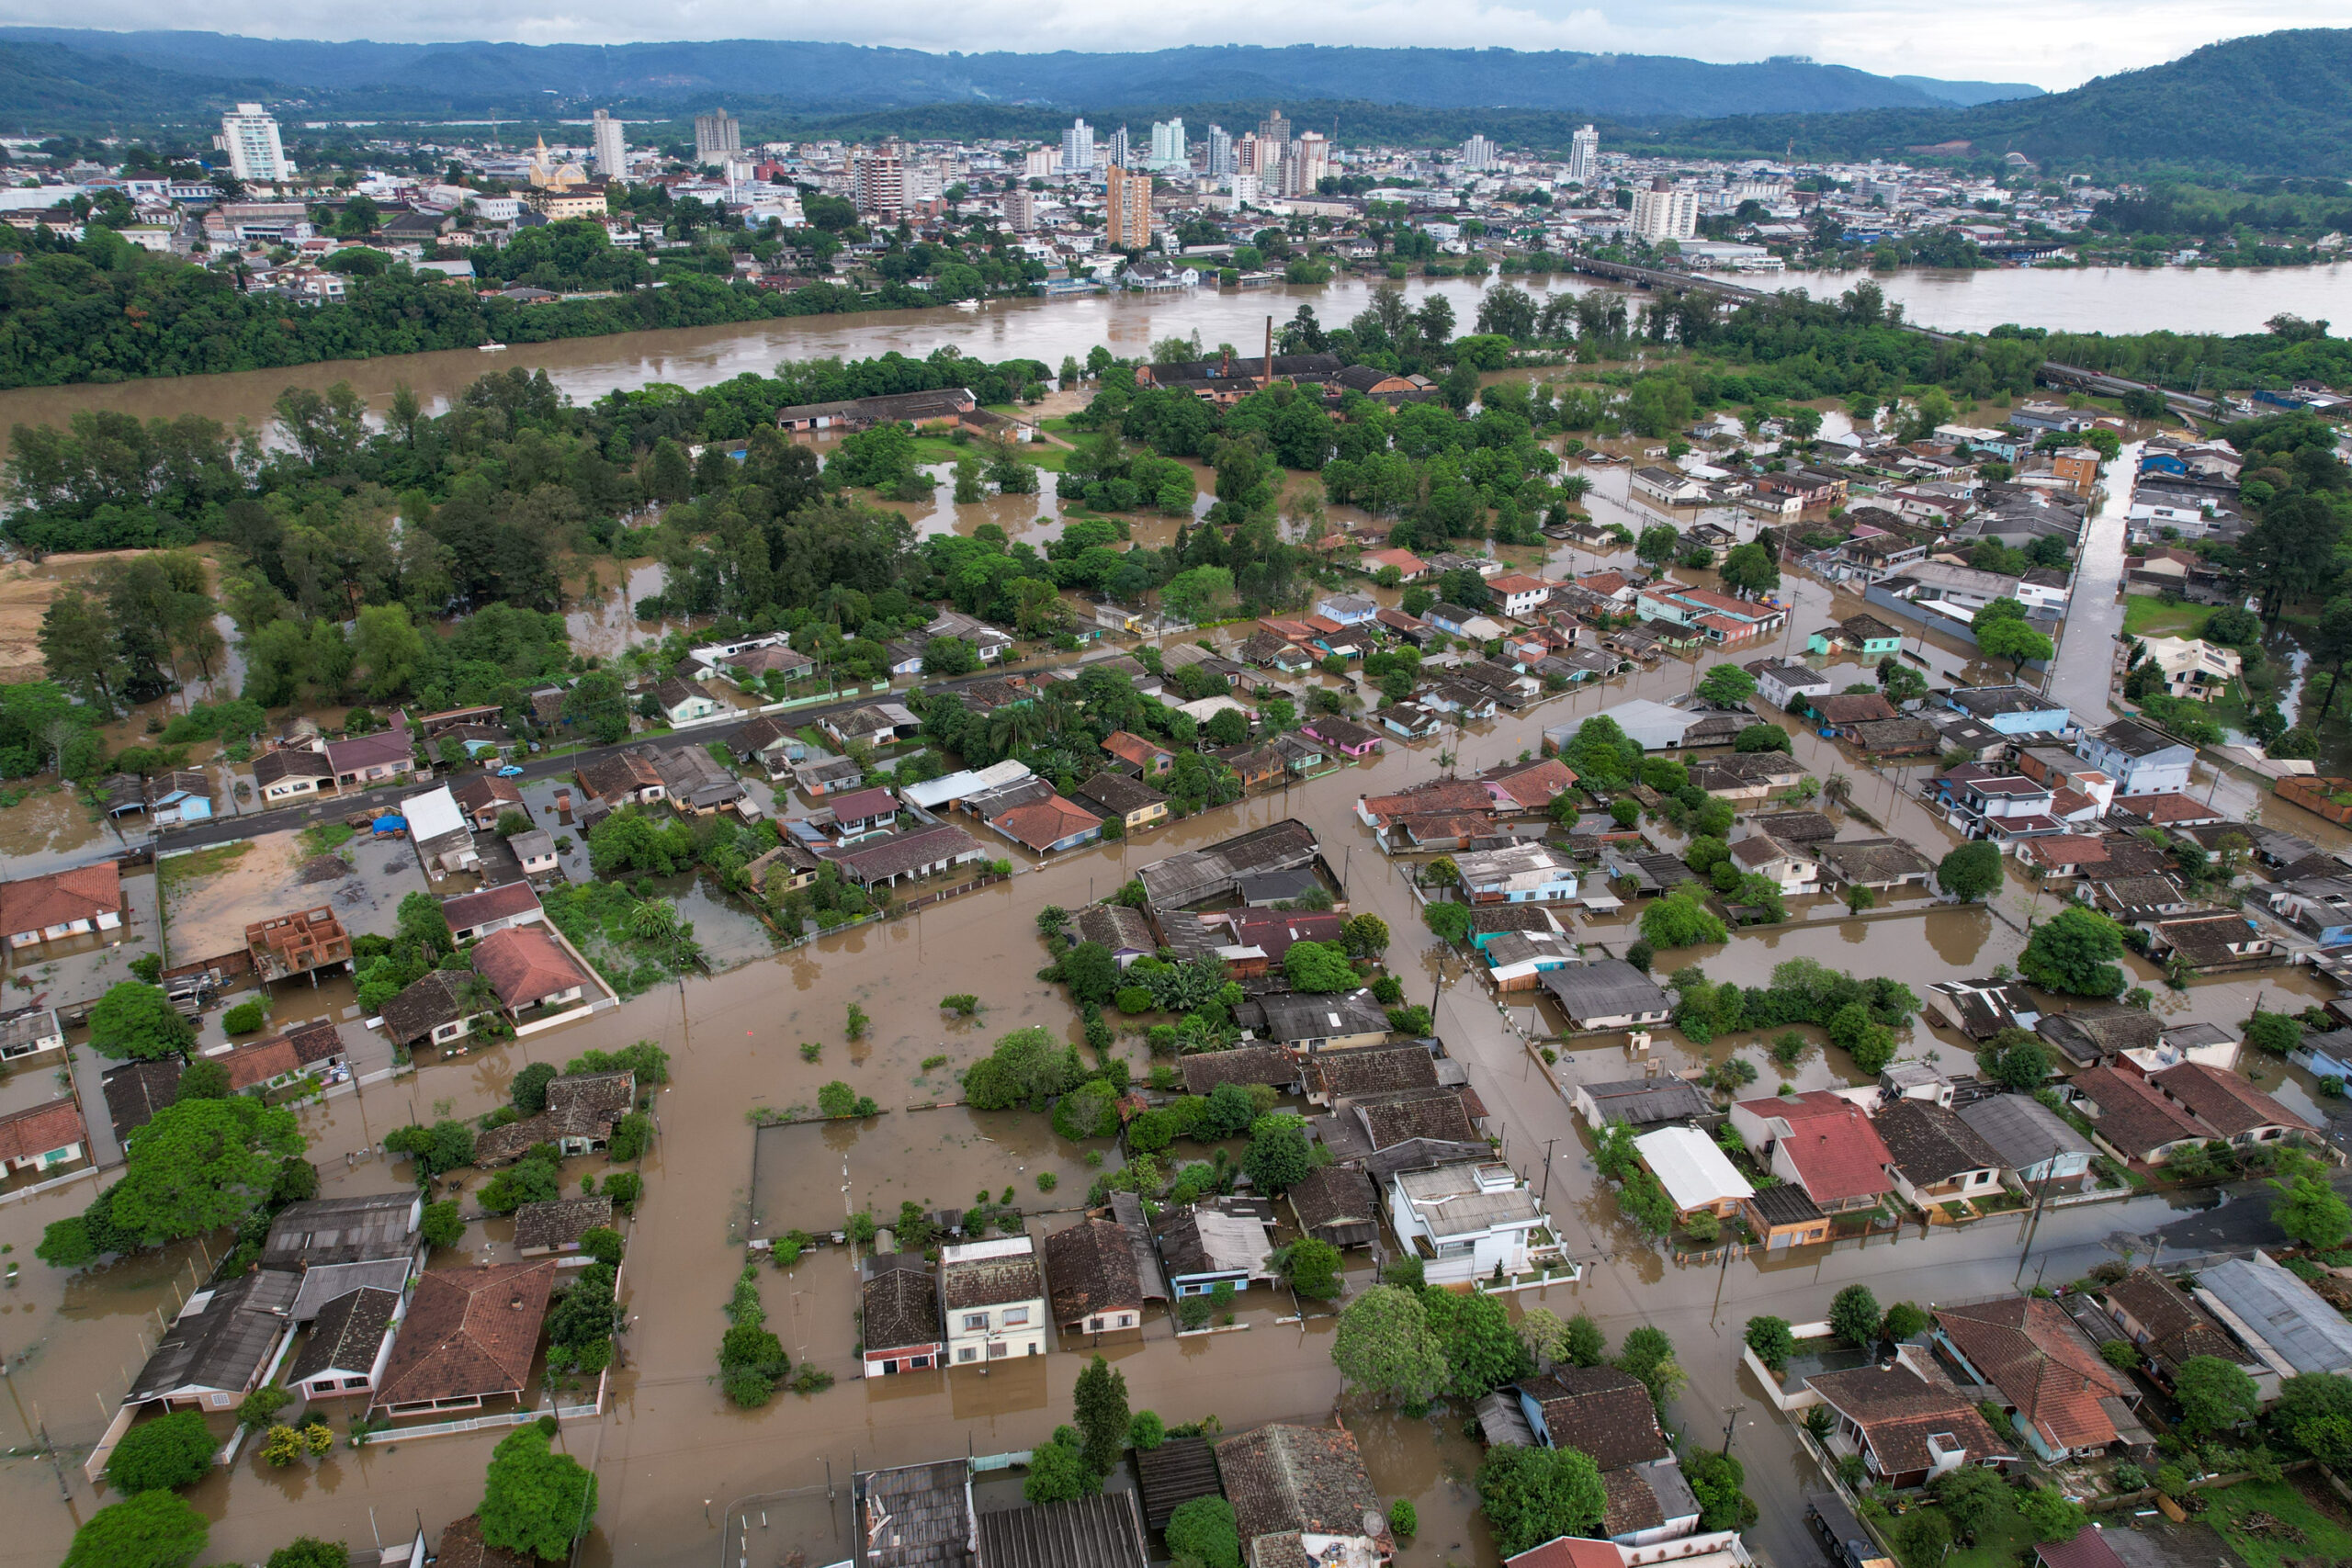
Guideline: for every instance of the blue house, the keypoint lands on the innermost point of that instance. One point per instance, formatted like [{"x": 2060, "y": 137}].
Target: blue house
[
  {"x": 2163, "y": 463},
  {"x": 2011, "y": 710}
]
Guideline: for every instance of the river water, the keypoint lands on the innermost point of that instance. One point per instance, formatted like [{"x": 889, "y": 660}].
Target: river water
[
  {"x": 673, "y": 1455},
  {"x": 2096, "y": 300}
]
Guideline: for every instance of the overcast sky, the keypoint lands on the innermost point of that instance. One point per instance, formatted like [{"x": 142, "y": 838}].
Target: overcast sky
[{"x": 2051, "y": 43}]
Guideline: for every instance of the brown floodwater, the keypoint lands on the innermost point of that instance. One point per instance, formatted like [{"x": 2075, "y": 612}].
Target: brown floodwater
[
  {"x": 2093, "y": 299},
  {"x": 673, "y": 1456}
]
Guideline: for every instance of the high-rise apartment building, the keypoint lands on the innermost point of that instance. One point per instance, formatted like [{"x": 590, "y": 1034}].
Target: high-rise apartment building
[
  {"x": 1247, "y": 158},
  {"x": 611, "y": 151},
  {"x": 1584, "y": 155},
  {"x": 1310, "y": 162},
  {"x": 1040, "y": 163},
  {"x": 1020, "y": 210},
  {"x": 881, "y": 181},
  {"x": 1220, "y": 152},
  {"x": 1168, "y": 151},
  {"x": 1117, "y": 150},
  {"x": 1274, "y": 128},
  {"x": 1662, "y": 212},
  {"x": 716, "y": 134},
  {"x": 255, "y": 154},
  {"x": 1478, "y": 155},
  {"x": 1078, "y": 149},
  {"x": 1126, "y": 210}
]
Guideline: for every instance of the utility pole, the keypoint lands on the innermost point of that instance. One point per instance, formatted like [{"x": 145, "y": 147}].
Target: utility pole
[
  {"x": 1545, "y": 1195},
  {"x": 2040, "y": 1197},
  {"x": 1731, "y": 1419}
]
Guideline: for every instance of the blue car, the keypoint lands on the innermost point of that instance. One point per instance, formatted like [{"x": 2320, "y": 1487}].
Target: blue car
[{"x": 510, "y": 771}]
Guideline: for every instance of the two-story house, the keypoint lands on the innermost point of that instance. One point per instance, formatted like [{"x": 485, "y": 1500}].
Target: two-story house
[
  {"x": 1822, "y": 1143},
  {"x": 1785, "y": 683},
  {"x": 2141, "y": 760},
  {"x": 1465, "y": 1219},
  {"x": 992, "y": 1299}
]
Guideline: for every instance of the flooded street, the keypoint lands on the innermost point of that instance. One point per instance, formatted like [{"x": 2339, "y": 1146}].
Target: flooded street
[
  {"x": 669, "y": 1442},
  {"x": 727, "y": 1168}
]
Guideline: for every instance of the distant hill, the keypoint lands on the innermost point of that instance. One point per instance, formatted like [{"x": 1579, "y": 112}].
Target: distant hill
[
  {"x": 827, "y": 75},
  {"x": 2276, "y": 103},
  {"x": 44, "y": 85}
]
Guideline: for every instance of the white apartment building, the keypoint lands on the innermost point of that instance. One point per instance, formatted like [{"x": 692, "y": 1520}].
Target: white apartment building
[
  {"x": 1477, "y": 154},
  {"x": 1584, "y": 155},
  {"x": 256, "y": 153},
  {"x": 612, "y": 150},
  {"x": 1078, "y": 149},
  {"x": 1168, "y": 150},
  {"x": 716, "y": 134},
  {"x": 1663, "y": 212}
]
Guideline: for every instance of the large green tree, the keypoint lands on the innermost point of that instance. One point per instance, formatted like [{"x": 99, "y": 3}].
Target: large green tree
[
  {"x": 139, "y": 1021},
  {"x": 2214, "y": 1395},
  {"x": 1385, "y": 1346},
  {"x": 202, "y": 1164},
  {"x": 535, "y": 1501},
  {"x": 2309, "y": 1209},
  {"x": 1972, "y": 871},
  {"x": 1101, "y": 1406},
  {"x": 2075, "y": 952},
  {"x": 150, "y": 1529},
  {"x": 169, "y": 1452},
  {"x": 1532, "y": 1495}
]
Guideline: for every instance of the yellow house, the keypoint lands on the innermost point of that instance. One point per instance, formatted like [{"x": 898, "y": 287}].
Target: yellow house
[{"x": 1135, "y": 804}]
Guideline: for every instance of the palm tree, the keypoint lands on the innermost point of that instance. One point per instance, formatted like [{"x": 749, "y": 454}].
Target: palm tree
[
  {"x": 653, "y": 919},
  {"x": 1839, "y": 788},
  {"x": 1015, "y": 726}
]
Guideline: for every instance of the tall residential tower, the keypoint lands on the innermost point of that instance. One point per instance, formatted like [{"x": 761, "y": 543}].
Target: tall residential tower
[{"x": 255, "y": 154}]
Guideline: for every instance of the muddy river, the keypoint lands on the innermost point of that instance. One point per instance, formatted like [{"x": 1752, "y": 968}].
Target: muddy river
[
  {"x": 2094, "y": 300},
  {"x": 673, "y": 1456}
]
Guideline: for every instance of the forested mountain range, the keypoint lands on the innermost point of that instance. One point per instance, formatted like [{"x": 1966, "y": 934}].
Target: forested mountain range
[
  {"x": 830, "y": 76},
  {"x": 2279, "y": 104}
]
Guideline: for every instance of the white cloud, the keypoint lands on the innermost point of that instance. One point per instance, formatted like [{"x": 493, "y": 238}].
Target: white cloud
[{"x": 2054, "y": 43}]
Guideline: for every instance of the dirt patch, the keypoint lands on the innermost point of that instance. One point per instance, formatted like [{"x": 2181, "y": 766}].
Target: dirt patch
[{"x": 326, "y": 868}]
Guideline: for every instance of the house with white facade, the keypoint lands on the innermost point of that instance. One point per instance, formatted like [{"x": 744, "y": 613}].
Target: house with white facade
[
  {"x": 992, "y": 1299},
  {"x": 2141, "y": 758},
  {"x": 1465, "y": 1219}
]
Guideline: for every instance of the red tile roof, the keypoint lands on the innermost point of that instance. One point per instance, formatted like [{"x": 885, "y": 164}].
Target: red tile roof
[
  {"x": 2224, "y": 1101},
  {"x": 1045, "y": 823},
  {"x": 523, "y": 964},
  {"x": 1135, "y": 748},
  {"x": 1836, "y": 1153},
  {"x": 81, "y": 894},
  {"x": 2133, "y": 1115},
  {"x": 468, "y": 1332},
  {"x": 28, "y": 1134},
  {"x": 2029, "y": 1349},
  {"x": 252, "y": 1065}
]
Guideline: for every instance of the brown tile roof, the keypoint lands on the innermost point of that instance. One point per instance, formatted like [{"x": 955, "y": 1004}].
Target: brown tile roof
[
  {"x": 315, "y": 1042},
  {"x": 502, "y": 902},
  {"x": 990, "y": 1281},
  {"x": 2033, "y": 1352},
  {"x": 82, "y": 893},
  {"x": 362, "y": 752},
  {"x": 900, "y": 1310},
  {"x": 1282, "y": 1478},
  {"x": 1244, "y": 1065},
  {"x": 1932, "y": 1143},
  {"x": 1091, "y": 1269},
  {"x": 2177, "y": 1328},
  {"x": 479, "y": 793},
  {"x": 32, "y": 1132},
  {"x": 1131, "y": 748},
  {"x": 470, "y": 1332},
  {"x": 1437, "y": 1114},
  {"x": 2224, "y": 1101},
  {"x": 560, "y": 1222},
  {"x": 437, "y": 998},
  {"x": 1897, "y": 1409},
  {"x": 1343, "y": 1074},
  {"x": 1466, "y": 795},
  {"x": 523, "y": 964},
  {"x": 1601, "y": 1412},
  {"x": 1334, "y": 1195},
  {"x": 274, "y": 766},
  {"x": 1629, "y": 1504},
  {"x": 2133, "y": 1115}
]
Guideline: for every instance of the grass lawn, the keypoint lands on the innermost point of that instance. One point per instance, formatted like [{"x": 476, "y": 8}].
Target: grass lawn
[
  {"x": 2316, "y": 1537},
  {"x": 2002, "y": 1545},
  {"x": 2146, "y": 616},
  {"x": 199, "y": 864}
]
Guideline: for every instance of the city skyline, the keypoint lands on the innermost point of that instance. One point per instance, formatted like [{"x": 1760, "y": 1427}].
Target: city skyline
[{"x": 2055, "y": 46}]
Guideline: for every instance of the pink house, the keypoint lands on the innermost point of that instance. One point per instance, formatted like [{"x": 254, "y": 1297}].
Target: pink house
[{"x": 1348, "y": 739}]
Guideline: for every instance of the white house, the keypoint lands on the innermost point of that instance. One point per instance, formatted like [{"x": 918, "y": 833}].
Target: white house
[
  {"x": 2140, "y": 759},
  {"x": 1465, "y": 1219},
  {"x": 1782, "y": 683},
  {"x": 992, "y": 1299},
  {"x": 1760, "y": 855},
  {"x": 682, "y": 702},
  {"x": 1697, "y": 1177},
  {"x": 1519, "y": 874}
]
